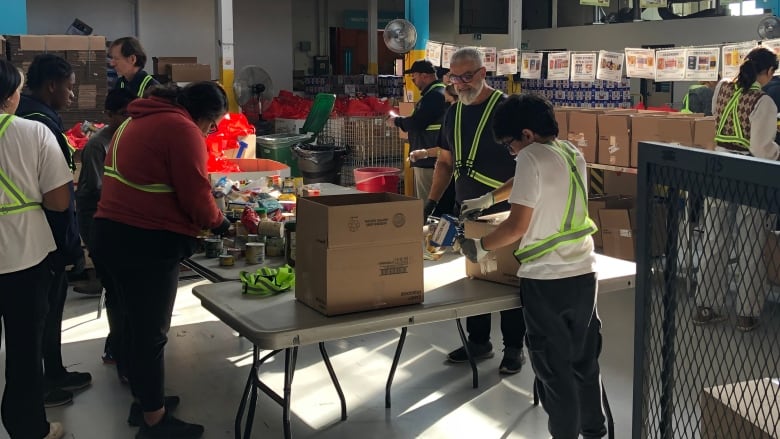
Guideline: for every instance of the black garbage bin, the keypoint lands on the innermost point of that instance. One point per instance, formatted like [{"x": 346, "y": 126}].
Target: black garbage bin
[{"x": 320, "y": 163}]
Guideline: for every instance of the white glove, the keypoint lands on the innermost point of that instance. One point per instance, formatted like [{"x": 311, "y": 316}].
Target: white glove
[
  {"x": 418, "y": 154},
  {"x": 472, "y": 249},
  {"x": 476, "y": 205}
]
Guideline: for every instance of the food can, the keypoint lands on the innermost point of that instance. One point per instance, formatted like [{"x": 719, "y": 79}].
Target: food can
[
  {"x": 226, "y": 260},
  {"x": 213, "y": 247},
  {"x": 255, "y": 253}
]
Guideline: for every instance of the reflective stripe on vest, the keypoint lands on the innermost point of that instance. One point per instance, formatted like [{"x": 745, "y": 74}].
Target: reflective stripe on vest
[
  {"x": 268, "y": 281},
  {"x": 686, "y": 100},
  {"x": 142, "y": 87},
  {"x": 468, "y": 164},
  {"x": 731, "y": 110},
  {"x": 570, "y": 230},
  {"x": 112, "y": 170},
  {"x": 20, "y": 202},
  {"x": 71, "y": 148}
]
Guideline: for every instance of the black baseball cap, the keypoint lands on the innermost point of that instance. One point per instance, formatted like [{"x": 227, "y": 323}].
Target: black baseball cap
[{"x": 421, "y": 66}]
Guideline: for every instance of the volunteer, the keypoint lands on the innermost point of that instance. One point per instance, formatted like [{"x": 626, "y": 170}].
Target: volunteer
[
  {"x": 50, "y": 80},
  {"x": 156, "y": 198},
  {"x": 699, "y": 98},
  {"x": 746, "y": 124},
  {"x": 128, "y": 59},
  {"x": 34, "y": 174},
  {"x": 424, "y": 124},
  {"x": 557, "y": 272},
  {"x": 87, "y": 196},
  {"x": 479, "y": 166}
]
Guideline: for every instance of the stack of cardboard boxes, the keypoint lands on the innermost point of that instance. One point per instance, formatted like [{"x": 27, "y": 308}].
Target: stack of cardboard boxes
[{"x": 87, "y": 56}]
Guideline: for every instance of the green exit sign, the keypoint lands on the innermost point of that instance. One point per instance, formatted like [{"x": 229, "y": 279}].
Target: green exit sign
[{"x": 523, "y": 46}]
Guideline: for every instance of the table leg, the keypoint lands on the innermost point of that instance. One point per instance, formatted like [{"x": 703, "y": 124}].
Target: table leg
[
  {"x": 252, "y": 384},
  {"x": 335, "y": 380},
  {"x": 396, "y": 358},
  {"x": 475, "y": 377},
  {"x": 290, "y": 357}
]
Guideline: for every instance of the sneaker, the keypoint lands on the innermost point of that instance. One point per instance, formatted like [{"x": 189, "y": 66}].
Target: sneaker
[
  {"x": 478, "y": 352},
  {"x": 56, "y": 431},
  {"x": 72, "y": 381},
  {"x": 136, "y": 417},
  {"x": 747, "y": 323},
  {"x": 705, "y": 315},
  {"x": 57, "y": 397},
  {"x": 170, "y": 428},
  {"x": 513, "y": 361}
]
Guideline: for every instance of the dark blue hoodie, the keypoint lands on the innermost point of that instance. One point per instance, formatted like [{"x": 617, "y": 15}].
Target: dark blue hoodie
[
  {"x": 772, "y": 88},
  {"x": 64, "y": 225}
]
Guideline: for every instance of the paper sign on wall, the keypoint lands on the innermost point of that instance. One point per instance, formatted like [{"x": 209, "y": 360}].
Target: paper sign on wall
[
  {"x": 670, "y": 65},
  {"x": 702, "y": 64},
  {"x": 488, "y": 58},
  {"x": 652, "y": 3},
  {"x": 446, "y": 53},
  {"x": 640, "y": 63},
  {"x": 583, "y": 66},
  {"x": 531, "y": 65},
  {"x": 733, "y": 54},
  {"x": 433, "y": 52},
  {"x": 558, "y": 65},
  {"x": 610, "y": 66},
  {"x": 602, "y": 3},
  {"x": 507, "y": 62}
]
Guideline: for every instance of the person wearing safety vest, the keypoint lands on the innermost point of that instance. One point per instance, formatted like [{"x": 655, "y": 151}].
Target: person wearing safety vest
[
  {"x": 129, "y": 59},
  {"x": 479, "y": 166},
  {"x": 746, "y": 123},
  {"x": 558, "y": 264},
  {"x": 33, "y": 176},
  {"x": 699, "y": 98},
  {"x": 424, "y": 124},
  {"x": 50, "y": 80},
  {"x": 155, "y": 201}
]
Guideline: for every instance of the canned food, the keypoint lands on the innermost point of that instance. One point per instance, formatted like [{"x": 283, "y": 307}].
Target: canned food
[
  {"x": 226, "y": 260},
  {"x": 255, "y": 253}
]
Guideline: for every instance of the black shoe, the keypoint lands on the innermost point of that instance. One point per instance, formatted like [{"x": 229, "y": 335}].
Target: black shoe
[
  {"x": 57, "y": 397},
  {"x": 170, "y": 428},
  {"x": 136, "y": 417},
  {"x": 71, "y": 381},
  {"x": 513, "y": 361},
  {"x": 478, "y": 352}
]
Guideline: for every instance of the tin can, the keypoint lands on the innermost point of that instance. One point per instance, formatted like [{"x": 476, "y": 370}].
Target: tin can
[
  {"x": 274, "y": 247},
  {"x": 255, "y": 253},
  {"x": 271, "y": 229},
  {"x": 253, "y": 238},
  {"x": 226, "y": 260},
  {"x": 213, "y": 247}
]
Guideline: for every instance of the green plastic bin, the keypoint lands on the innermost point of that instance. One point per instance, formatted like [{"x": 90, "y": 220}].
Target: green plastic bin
[{"x": 278, "y": 147}]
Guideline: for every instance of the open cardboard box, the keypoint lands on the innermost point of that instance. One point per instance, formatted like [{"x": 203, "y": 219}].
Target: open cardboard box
[
  {"x": 252, "y": 169},
  {"x": 504, "y": 271}
]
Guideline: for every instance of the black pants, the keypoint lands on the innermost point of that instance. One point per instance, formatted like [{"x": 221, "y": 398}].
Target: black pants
[
  {"x": 23, "y": 307},
  {"x": 564, "y": 342},
  {"x": 52, "y": 332},
  {"x": 512, "y": 328},
  {"x": 144, "y": 267}
]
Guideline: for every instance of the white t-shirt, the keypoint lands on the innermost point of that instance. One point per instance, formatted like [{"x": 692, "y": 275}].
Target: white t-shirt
[
  {"x": 31, "y": 158},
  {"x": 542, "y": 183}
]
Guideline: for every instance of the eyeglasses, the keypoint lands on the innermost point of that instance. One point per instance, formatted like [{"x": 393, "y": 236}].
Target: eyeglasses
[{"x": 464, "y": 78}]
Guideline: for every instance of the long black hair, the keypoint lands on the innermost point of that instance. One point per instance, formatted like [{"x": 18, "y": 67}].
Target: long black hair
[
  {"x": 10, "y": 79},
  {"x": 205, "y": 100},
  {"x": 758, "y": 60}
]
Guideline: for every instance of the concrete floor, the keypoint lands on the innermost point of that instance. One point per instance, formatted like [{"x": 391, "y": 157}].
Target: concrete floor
[{"x": 207, "y": 365}]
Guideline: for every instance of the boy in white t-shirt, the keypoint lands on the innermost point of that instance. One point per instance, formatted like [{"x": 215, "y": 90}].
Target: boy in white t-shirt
[{"x": 557, "y": 272}]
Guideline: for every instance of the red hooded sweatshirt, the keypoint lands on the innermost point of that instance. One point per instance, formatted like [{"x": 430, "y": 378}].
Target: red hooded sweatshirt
[{"x": 161, "y": 144}]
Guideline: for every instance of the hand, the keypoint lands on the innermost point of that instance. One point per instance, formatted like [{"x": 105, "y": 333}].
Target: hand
[
  {"x": 223, "y": 228},
  {"x": 418, "y": 154},
  {"x": 472, "y": 208},
  {"x": 390, "y": 121},
  {"x": 430, "y": 206},
  {"x": 472, "y": 249}
]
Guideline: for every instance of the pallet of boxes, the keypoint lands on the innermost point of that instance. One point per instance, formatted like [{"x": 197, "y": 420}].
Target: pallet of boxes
[{"x": 87, "y": 56}]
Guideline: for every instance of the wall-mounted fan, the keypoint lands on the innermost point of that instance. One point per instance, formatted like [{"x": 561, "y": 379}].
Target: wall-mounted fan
[
  {"x": 400, "y": 35},
  {"x": 254, "y": 89},
  {"x": 769, "y": 27}
]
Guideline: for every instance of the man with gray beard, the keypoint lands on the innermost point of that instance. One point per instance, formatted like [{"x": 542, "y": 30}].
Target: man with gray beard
[{"x": 481, "y": 168}]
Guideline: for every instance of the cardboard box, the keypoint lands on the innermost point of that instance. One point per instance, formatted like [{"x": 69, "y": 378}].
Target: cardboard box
[
  {"x": 405, "y": 109},
  {"x": 252, "y": 169},
  {"x": 595, "y": 204},
  {"x": 363, "y": 252},
  {"x": 505, "y": 269},
  {"x": 704, "y": 133},
  {"x": 189, "y": 72},
  {"x": 562, "y": 117},
  {"x": 617, "y": 234},
  {"x": 583, "y": 133},
  {"x": 677, "y": 130},
  {"x": 160, "y": 63},
  {"x": 74, "y": 42},
  {"x": 614, "y": 139},
  {"x": 747, "y": 409},
  {"x": 644, "y": 128}
]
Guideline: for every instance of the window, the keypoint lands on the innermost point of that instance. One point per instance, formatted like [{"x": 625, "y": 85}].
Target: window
[{"x": 486, "y": 17}]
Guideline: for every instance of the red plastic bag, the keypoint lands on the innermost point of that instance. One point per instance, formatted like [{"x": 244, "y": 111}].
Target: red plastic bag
[
  {"x": 76, "y": 137},
  {"x": 250, "y": 220}
]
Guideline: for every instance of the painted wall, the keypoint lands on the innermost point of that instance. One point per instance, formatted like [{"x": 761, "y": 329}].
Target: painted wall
[
  {"x": 12, "y": 20},
  {"x": 263, "y": 37}
]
